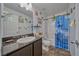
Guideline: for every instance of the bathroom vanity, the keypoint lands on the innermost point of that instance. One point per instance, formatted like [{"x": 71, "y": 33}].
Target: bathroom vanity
[{"x": 33, "y": 48}]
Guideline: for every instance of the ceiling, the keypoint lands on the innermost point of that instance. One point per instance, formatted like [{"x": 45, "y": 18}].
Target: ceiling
[
  {"x": 48, "y": 9},
  {"x": 16, "y": 7}
]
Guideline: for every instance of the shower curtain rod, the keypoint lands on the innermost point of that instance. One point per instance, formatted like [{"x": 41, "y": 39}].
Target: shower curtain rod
[{"x": 55, "y": 16}]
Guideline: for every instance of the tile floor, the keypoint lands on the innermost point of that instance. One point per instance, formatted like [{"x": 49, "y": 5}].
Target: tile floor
[{"x": 56, "y": 52}]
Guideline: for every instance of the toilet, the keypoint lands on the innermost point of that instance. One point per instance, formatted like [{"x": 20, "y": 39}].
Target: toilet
[{"x": 46, "y": 44}]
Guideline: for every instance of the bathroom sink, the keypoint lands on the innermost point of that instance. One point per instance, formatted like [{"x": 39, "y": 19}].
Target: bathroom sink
[{"x": 25, "y": 40}]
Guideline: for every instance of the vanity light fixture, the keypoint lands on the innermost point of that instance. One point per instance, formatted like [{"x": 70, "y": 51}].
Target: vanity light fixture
[{"x": 27, "y": 6}]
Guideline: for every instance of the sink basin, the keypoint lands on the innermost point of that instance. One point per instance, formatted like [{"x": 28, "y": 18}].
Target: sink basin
[{"x": 25, "y": 40}]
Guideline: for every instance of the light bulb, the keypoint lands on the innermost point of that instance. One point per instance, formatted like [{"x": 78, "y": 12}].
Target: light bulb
[{"x": 21, "y": 5}]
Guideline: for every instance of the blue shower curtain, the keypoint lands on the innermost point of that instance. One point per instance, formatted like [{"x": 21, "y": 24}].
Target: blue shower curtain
[{"x": 62, "y": 29}]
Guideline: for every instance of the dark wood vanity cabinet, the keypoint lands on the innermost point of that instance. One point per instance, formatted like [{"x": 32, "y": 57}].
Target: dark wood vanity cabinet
[
  {"x": 33, "y": 49},
  {"x": 38, "y": 48}
]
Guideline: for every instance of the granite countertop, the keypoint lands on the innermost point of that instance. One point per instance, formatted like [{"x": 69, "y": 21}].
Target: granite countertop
[{"x": 14, "y": 46}]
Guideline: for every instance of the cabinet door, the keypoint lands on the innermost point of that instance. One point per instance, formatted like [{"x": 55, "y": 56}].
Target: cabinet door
[
  {"x": 38, "y": 48},
  {"x": 26, "y": 51}
]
